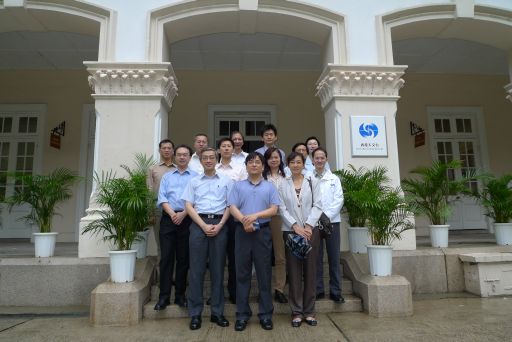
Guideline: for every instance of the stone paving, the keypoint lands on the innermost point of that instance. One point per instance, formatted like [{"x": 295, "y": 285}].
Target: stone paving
[{"x": 449, "y": 319}]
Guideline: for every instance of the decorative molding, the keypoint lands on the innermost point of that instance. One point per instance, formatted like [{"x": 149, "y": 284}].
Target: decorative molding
[
  {"x": 508, "y": 89},
  {"x": 133, "y": 80},
  {"x": 354, "y": 81}
]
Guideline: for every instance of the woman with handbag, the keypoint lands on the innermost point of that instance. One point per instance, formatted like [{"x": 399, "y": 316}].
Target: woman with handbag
[
  {"x": 274, "y": 173},
  {"x": 300, "y": 212},
  {"x": 331, "y": 195}
]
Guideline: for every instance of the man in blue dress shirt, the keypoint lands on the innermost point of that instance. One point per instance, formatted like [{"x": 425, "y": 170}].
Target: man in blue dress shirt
[
  {"x": 269, "y": 138},
  {"x": 206, "y": 203},
  {"x": 253, "y": 202},
  {"x": 174, "y": 230}
]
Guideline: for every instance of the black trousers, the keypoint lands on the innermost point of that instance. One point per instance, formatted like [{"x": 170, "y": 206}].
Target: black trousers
[
  {"x": 230, "y": 252},
  {"x": 174, "y": 246}
]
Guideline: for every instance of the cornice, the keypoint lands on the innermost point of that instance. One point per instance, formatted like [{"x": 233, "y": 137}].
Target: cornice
[
  {"x": 133, "y": 80},
  {"x": 359, "y": 81}
]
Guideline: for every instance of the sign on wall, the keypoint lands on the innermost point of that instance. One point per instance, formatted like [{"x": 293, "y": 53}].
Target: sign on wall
[{"x": 368, "y": 135}]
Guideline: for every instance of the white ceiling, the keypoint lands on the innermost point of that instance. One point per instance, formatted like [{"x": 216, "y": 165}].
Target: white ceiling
[{"x": 250, "y": 52}]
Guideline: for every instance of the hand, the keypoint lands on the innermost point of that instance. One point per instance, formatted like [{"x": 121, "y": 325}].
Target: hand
[
  {"x": 249, "y": 220},
  {"x": 308, "y": 231},
  {"x": 249, "y": 228},
  {"x": 215, "y": 229},
  {"x": 177, "y": 218},
  {"x": 299, "y": 230},
  {"x": 208, "y": 229}
]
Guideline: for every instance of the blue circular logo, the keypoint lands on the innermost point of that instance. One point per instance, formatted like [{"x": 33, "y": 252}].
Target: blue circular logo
[{"x": 368, "y": 130}]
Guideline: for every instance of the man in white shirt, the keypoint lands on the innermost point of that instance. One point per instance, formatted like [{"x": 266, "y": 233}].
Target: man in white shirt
[
  {"x": 238, "y": 154},
  {"x": 200, "y": 142}
]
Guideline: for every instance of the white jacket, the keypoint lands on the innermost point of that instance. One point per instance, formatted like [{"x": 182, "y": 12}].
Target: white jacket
[{"x": 331, "y": 195}]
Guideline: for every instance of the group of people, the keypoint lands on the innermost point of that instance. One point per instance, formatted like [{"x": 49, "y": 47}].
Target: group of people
[{"x": 223, "y": 203}]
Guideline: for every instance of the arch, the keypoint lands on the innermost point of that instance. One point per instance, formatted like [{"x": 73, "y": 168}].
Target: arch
[
  {"x": 40, "y": 14},
  {"x": 184, "y": 20},
  {"x": 488, "y": 25}
]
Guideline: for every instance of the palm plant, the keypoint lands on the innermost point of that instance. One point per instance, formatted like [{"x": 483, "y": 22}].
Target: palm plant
[
  {"x": 358, "y": 187},
  {"x": 496, "y": 197},
  {"x": 127, "y": 204},
  {"x": 388, "y": 216},
  {"x": 43, "y": 193},
  {"x": 431, "y": 192}
]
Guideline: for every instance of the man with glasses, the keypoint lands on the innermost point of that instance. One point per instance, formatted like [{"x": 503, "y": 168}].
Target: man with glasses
[
  {"x": 253, "y": 202},
  {"x": 174, "y": 230},
  {"x": 206, "y": 202}
]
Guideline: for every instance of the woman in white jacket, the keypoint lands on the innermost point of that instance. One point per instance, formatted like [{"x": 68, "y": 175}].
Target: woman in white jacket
[
  {"x": 331, "y": 195},
  {"x": 300, "y": 211}
]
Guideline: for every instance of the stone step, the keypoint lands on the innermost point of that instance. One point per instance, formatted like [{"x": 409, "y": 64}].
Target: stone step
[
  {"x": 352, "y": 304},
  {"x": 346, "y": 288}
]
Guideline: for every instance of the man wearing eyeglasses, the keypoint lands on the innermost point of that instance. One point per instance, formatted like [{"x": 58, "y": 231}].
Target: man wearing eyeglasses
[
  {"x": 206, "y": 202},
  {"x": 253, "y": 202}
]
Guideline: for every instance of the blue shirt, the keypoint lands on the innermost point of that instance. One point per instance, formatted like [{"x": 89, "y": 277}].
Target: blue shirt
[
  {"x": 251, "y": 198},
  {"x": 171, "y": 188},
  {"x": 208, "y": 195}
]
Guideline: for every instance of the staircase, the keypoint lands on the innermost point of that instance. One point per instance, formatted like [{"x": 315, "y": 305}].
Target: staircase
[{"x": 352, "y": 303}]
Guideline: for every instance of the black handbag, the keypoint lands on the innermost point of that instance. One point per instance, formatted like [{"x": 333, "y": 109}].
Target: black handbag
[{"x": 324, "y": 224}]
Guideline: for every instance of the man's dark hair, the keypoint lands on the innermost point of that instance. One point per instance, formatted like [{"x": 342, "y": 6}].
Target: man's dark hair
[
  {"x": 319, "y": 149},
  {"x": 200, "y": 135},
  {"x": 268, "y": 127},
  {"x": 254, "y": 155},
  {"x": 207, "y": 149},
  {"x": 224, "y": 140},
  {"x": 292, "y": 156},
  {"x": 237, "y": 132},
  {"x": 297, "y": 145},
  {"x": 190, "y": 151},
  {"x": 165, "y": 141}
]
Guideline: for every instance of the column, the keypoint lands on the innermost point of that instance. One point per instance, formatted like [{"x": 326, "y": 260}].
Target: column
[
  {"x": 347, "y": 94},
  {"x": 132, "y": 102}
]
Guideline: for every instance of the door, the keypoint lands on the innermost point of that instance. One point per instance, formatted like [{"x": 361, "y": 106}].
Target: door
[
  {"x": 19, "y": 152},
  {"x": 455, "y": 137}
]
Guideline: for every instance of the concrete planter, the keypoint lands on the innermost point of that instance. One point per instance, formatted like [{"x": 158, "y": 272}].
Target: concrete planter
[
  {"x": 358, "y": 239},
  {"x": 381, "y": 260},
  {"x": 44, "y": 244},
  {"x": 122, "y": 266},
  {"x": 141, "y": 246},
  {"x": 439, "y": 235},
  {"x": 503, "y": 233}
]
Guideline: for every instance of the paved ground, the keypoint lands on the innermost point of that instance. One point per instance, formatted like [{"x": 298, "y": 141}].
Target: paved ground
[{"x": 450, "y": 319}]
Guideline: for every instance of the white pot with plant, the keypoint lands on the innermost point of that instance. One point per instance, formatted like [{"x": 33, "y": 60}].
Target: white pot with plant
[
  {"x": 496, "y": 197},
  {"x": 431, "y": 192},
  {"x": 43, "y": 193},
  {"x": 355, "y": 183},
  {"x": 126, "y": 207}
]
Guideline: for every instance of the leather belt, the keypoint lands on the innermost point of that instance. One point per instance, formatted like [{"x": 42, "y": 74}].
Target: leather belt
[
  {"x": 264, "y": 225},
  {"x": 210, "y": 216}
]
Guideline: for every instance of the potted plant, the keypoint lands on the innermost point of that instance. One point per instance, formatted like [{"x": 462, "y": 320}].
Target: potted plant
[
  {"x": 126, "y": 205},
  {"x": 357, "y": 185},
  {"x": 43, "y": 193},
  {"x": 388, "y": 218},
  {"x": 432, "y": 192},
  {"x": 496, "y": 197}
]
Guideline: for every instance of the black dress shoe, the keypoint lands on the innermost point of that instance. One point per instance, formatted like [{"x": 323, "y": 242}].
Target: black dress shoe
[
  {"x": 337, "y": 299},
  {"x": 266, "y": 324},
  {"x": 195, "y": 322},
  {"x": 240, "y": 325},
  {"x": 162, "y": 304},
  {"x": 181, "y": 302},
  {"x": 221, "y": 321},
  {"x": 280, "y": 297},
  {"x": 296, "y": 322},
  {"x": 320, "y": 295},
  {"x": 312, "y": 321}
]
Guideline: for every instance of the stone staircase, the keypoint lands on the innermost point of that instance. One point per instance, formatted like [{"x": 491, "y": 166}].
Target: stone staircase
[{"x": 352, "y": 303}]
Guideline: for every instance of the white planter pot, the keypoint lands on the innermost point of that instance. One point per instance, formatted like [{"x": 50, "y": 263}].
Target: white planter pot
[
  {"x": 503, "y": 233},
  {"x": 44, "y": 244},
  {"x": 439, "y": 235},
  {"x": 141, "y": 246},
  {"x": 122, "y": 266},
  {"x": 358, "y": 239},
  {"x": 381, "y": 260}
]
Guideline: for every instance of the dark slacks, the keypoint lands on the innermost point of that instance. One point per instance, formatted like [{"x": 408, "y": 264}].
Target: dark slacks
[
  {"x": 302, "y": 276},
  {"x": 255, "y": 247},
  {"x": 203, "y": 250},
  {"x": 332, "y": 245},
  {"x": 231, "y": 228},
  {"x": 173, "y": 248}
]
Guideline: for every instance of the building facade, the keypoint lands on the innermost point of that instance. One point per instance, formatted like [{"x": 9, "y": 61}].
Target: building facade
[{"x": 124, "y": 75}]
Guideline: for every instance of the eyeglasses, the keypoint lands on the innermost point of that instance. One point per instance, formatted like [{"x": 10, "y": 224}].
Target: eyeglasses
[
  {"x": 254, "y": 162},
  {"x": 208, "y": 158}
]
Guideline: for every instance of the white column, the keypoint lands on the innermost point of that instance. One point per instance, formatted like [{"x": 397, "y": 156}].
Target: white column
[
  {"x": 132, "y": 102},
  {"x": 353, "y": 90}
]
